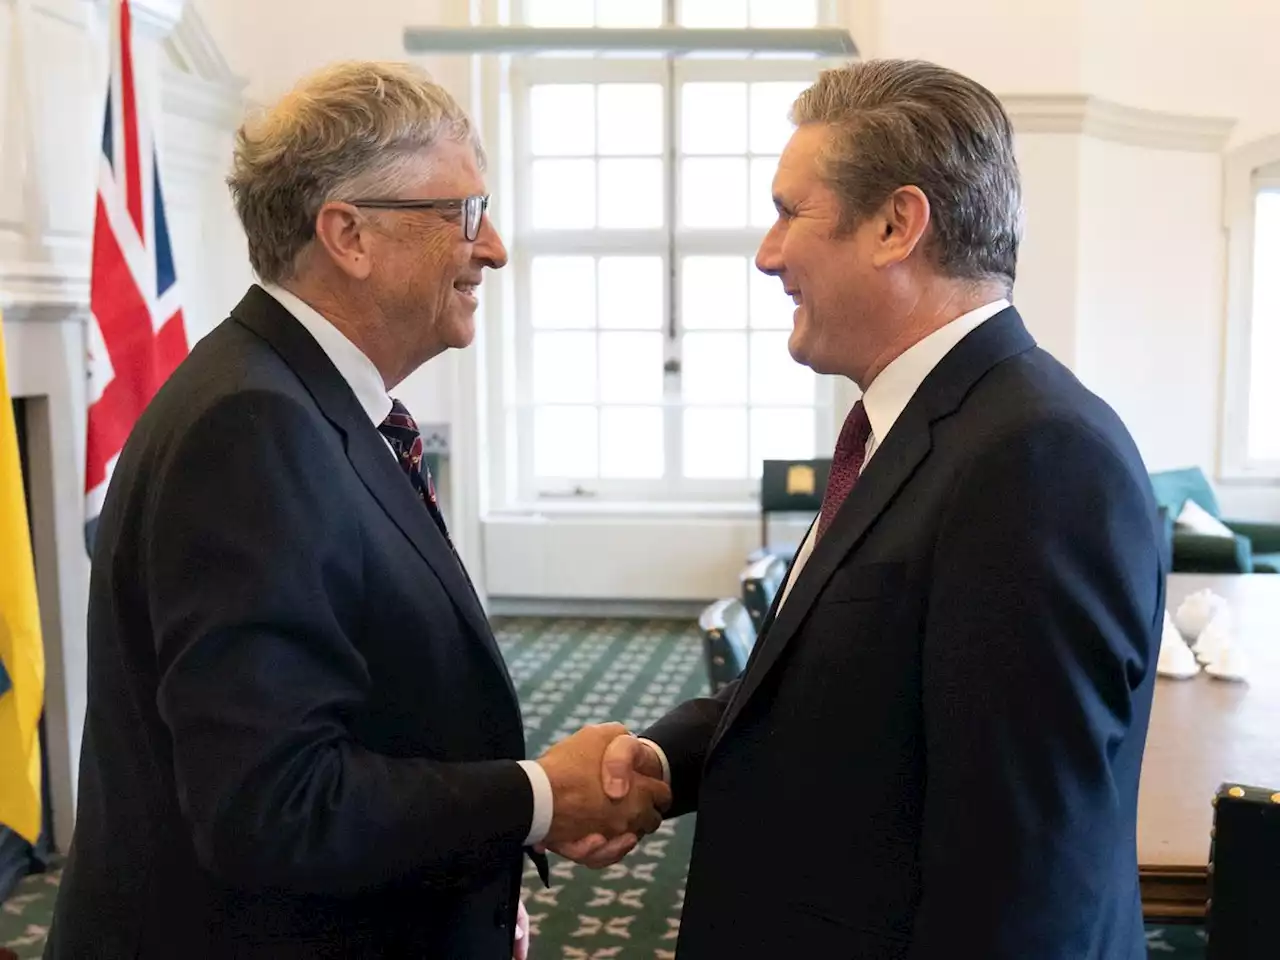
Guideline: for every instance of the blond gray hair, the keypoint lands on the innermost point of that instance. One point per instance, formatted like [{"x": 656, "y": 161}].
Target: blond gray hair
[
  {"x": 352, "y": 129},
  {"x": 907, "y": 122}
]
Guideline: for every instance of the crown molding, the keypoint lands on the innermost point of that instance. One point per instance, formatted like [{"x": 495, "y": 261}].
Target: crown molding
[
  {"x": 152, "y": 18},
  {"x": 192, "y": 48},
  {"x": 1085, "y": 115},
  {"x": 194, "y": 98}
]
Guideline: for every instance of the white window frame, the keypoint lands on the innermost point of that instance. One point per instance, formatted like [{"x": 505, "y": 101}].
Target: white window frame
[
  {"x": 1250, "y": 170},
  {"x": 509, "y": 348}
]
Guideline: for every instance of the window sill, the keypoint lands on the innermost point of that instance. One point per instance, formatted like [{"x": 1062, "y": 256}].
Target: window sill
[
  {"x": 1250, "y": 477},
  {"x": 629, "y": 509}
]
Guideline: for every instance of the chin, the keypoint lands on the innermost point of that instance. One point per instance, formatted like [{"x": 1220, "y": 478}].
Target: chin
[
  {"x": 462, "y": 333},
  {"x": 799, "y": 347}
]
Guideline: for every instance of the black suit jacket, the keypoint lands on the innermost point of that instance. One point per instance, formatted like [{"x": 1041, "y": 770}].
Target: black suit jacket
[
  {"x": 936, "y": 744},
  {"x": 301, "y": 736}
]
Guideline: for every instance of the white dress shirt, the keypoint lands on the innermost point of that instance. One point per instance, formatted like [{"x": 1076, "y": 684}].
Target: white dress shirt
[
  {"x": 366, "y": 383},
  {"x": 885, "y": 399}
]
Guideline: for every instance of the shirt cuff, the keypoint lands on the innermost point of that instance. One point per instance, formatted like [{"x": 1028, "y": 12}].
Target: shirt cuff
[
  {"x": 662, "y": 758},
  {"x": 543, "y": 801}
]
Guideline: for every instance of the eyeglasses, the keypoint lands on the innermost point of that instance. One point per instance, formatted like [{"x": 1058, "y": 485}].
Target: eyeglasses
[{"x": 472, "y": 208}]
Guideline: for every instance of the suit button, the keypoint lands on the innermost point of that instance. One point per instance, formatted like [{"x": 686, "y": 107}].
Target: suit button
[{"x": 500, "y": 916}]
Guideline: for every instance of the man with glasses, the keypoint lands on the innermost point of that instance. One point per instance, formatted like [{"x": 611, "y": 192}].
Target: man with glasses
[{"x": 301, "y": 737}]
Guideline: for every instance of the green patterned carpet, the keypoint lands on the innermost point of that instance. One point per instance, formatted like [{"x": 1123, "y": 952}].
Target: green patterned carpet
[{"x": 571, "y": 672}]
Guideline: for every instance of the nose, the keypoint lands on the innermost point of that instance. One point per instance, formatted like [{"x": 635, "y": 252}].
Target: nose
[
  {"x": 489, "y": 249},
  {"x": 769, "y": 255}
]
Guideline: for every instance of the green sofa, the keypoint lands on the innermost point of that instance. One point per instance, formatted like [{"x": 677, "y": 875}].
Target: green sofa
[{"x": 1255, "y": 548}]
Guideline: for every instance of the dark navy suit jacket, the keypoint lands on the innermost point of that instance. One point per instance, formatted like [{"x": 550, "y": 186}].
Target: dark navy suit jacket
[
  {"x": 301, "y": 737},
  {"x": 935, "y": 748}
]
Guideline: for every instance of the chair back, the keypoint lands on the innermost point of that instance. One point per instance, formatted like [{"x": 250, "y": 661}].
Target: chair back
[
  {"x": 1241, "y": 915},
  {"x": 760, "y": 582},
  {"x": 727, "y": 638},
  {"x": 791, "y": 486}
]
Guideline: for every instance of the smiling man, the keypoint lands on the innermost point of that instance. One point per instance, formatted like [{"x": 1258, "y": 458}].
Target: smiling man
[
  {"x": 934, "y": 750},
  {"x": 301, "y": 738}
]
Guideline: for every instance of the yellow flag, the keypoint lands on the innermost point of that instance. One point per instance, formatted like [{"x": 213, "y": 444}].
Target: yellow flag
[{"x": 21, "y": 649}]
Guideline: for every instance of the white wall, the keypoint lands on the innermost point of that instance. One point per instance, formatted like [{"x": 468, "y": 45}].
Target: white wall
[
  {"x": 274, "y": 43},
  {"x": 1010, "y": 46},
  {"x": 1046, "y": 292},
  {"x": 1151, "y": 256},
  {"x": 1188, "y": 56}
]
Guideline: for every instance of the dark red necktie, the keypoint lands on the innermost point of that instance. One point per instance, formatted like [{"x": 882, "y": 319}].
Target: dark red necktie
[
  {"x": 846, "y": 464},
  {"x": 401, "y": 431}
]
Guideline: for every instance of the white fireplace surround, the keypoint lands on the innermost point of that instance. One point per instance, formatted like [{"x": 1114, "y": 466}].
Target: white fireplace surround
[{"x": 53, "y": 67}]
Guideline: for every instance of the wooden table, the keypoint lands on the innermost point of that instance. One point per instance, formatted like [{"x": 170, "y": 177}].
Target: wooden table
[{"x": 1206, "y": 732}]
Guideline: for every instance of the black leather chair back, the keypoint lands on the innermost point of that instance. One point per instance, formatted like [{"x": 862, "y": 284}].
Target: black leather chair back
[
  {"x": 727, "y": 638},
  {"x": 760, "y": 582},
  {"x": 1244, "y": 856}
]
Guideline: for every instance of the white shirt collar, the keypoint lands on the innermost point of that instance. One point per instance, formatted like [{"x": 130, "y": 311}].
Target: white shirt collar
[
  {"x": 349, "y": 360},
  {"x": 897, "y": 383}
]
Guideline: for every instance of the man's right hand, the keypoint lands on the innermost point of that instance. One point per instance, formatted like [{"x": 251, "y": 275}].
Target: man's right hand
[{"x": 583, "y": 810}]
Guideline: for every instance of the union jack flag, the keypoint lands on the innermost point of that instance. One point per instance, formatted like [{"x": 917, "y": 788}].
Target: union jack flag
[{"x": 136, "y": 335}]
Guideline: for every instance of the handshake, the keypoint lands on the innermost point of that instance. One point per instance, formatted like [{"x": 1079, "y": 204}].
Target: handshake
[{"x": 609, "y": 792}]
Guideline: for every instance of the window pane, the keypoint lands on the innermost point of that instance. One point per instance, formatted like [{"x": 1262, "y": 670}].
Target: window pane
[
  {"x": 713, "y": 293},
  {"x": 784, "y": 13},
  {"x": 631, "y": 293},
  {"x": 775, "y": 377},
  {"x": 566, "y": 442},
  {"x": 770, "y": 102},
  {"x": 781, "y": 435},
  {"x": 714, "y": 193},
  {"x": 564, "y": 194},
  {"x": 631, "y": 194},
  {"x": 771, "y": 308},
  {"x": 1264, "y": 347},
  {"x": 629, "y": 13},
  {"x": 562, "y": 119},
  {"x": 631, "y": 443},
  {"x": 630, "y": 119},
  {"x": 564, "y": 367},
  {"x": 714, "y": 368},
  {"x": 713, "y": 118},
  {"x": 713, "y": 13},
  {"x": 715, "y": 443},
  {"x": 631, "y": 367},
  {"x": 763, "y": 212},
  {"x": 562, "y": 292}
]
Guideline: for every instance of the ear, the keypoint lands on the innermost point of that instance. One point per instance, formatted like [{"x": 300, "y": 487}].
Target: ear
[
  {"x": 902, "y": 222},
  {"x": 345, "y": 237}
]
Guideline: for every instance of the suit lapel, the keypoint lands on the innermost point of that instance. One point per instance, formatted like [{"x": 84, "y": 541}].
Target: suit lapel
[
  {"x": 369, "y": 456},
  {"x": 386, "y": 481},
  {"x": 893, "y": 464}
]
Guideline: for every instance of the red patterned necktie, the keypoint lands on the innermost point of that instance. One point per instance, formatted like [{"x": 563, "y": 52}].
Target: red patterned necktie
[
  {"x": 401, "y": 431},
  {"x": 846, "y": 464}
]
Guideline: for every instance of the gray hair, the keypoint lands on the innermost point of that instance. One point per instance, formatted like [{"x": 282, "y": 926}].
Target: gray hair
[
  {"x": 347, "y": 131},
  {"x": 907, "y": 122}
]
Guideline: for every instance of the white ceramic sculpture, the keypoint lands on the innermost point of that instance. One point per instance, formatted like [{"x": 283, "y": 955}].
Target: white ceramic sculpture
[
  {"x": 1197, "y": 611},
  {"x": 1215, "y": 639},
  {"x": 1231, "y": 664}
]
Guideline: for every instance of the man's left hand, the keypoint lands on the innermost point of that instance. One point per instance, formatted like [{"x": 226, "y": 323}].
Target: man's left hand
[{"x": 520, "y": 951}]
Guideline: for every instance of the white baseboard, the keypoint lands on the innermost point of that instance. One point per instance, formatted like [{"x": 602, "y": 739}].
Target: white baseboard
[{"x": 622, "y": 609}]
